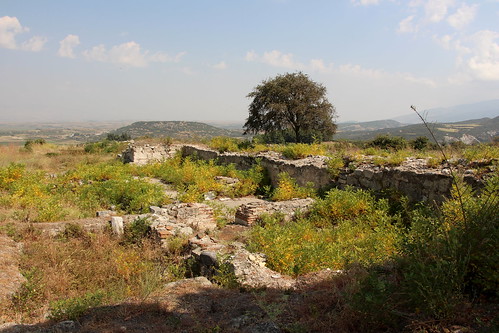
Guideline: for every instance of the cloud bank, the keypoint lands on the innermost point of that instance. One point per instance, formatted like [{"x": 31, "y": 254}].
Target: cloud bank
[{"x": 10, "y": 28}]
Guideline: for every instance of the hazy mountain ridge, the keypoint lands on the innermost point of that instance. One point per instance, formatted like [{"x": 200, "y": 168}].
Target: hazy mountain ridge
[
  {"x": 462, "y": 112},
  {"x": 484, "y": 129}
]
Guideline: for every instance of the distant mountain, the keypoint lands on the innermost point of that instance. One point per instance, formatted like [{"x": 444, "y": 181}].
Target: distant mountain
[
  {"x": 485, "y": 109},
  {"x": 482, "y": 129},
  {"x": 175, "y": 129},
  {"x": 368, "y": 125}
]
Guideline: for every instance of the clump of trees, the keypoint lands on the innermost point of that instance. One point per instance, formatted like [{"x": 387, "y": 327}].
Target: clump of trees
[
  {"x": 291, "y": 108},
  {"x": 118, "y": 137}
]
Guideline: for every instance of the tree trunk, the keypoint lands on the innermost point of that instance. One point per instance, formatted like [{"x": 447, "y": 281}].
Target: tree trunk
[{"x": 297, "y": 134}]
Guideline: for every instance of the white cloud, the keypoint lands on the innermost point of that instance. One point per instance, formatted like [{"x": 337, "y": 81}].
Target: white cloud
[
  {"x": 407, "y": 25},
  {"x": 34, "y": 44},
  {"x": 128, "y": 54},
  {"x": 360, "y": 71},
  {"x": 463, "y": 16},
  {"x": 96, "y": 53},
  {"x": 10, "y": 27},
  {"x": 164, "y": 57},
  {"x": 436, "y": 10},
  {"x": 420, "y": 80},
  {"x": 67, "y": 45},
  {"x": 221, "y": 65},
  {"x": 365, "y": 2},
  {"x": 251, "y": 56},
  {"x": 319, "y": 66},
  {"x": 277, "y": 59},
  {"x": 477, "y": 56},
  {"x": 484, "y": 62}
]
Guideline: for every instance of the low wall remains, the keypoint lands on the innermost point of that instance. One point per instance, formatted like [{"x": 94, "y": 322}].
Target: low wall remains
[{"x": 412, "y": 178}]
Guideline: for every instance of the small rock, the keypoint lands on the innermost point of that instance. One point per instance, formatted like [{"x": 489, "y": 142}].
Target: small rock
[
  {"x": 103, "y": 213},
  {"x": 65, "y": 326},
  {"x": 208, "y": 258},
  {"x": 210, "y": 195}
]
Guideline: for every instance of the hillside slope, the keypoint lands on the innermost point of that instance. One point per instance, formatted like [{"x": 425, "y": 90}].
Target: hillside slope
[
  {"x": 483, "y": 129},
  {"x": 175, "y": 129}
]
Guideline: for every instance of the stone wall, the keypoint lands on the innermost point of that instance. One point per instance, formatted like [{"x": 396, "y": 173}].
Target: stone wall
[
  {"x": 142, "y": 154},
  {"x": 413, "y": 178}
]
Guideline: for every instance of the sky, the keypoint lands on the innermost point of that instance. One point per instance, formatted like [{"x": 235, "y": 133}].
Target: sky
[{"x": 94, "y": 60}]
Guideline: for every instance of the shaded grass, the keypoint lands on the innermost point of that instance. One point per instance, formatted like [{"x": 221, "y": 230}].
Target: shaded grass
[{"x": 76, "y": 271}]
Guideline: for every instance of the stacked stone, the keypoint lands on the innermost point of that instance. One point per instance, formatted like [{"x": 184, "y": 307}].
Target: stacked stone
[
  {"x": 197, "y": 215},
  {"x": 249, "y": 213}
]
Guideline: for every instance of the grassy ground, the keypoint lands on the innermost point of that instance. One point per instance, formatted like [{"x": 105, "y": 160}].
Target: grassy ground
[{"x": 406, "y": 267}]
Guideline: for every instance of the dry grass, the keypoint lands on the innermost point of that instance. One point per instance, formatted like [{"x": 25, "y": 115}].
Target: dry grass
[
  {"x": 49, "y": 158},
  {"x": 78, "y": 264}
]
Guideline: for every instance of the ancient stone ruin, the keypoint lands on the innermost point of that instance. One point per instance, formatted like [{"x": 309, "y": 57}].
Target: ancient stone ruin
[
  {"x": 143, "y": 154},
  {"x": 412, "y": 178}
]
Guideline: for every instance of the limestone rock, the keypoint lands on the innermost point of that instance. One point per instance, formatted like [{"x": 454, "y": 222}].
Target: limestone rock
[{"x": 117, "y": 225}]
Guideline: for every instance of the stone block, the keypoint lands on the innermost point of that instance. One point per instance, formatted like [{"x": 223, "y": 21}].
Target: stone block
[{"x": 117, "y": 225}]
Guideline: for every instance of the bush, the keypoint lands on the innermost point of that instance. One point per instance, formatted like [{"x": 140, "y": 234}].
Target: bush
[
  {"x": 118, "y": 137},
  {"x": 287, "y": 189},
  {"x": 420, "y": 143},
  {"x": 72, "y": 308},
  {"x": 344, "y": 228},
  {"x": 388, "y": 142},
  {"x": 136, "y": 231},
  {"x": 448, "y": 257},
  {"x": 104, "y": 147},
  {"x": 301, "y": 150},
  {"x": 223, "y": 144}
]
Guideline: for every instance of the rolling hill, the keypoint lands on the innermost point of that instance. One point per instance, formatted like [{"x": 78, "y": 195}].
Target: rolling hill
[
  {"x": 368, "y": 125},
  {"x": 175, "y": 129}
]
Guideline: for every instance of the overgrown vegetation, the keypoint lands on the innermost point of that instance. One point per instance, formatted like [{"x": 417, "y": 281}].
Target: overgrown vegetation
[
  {"x": 405, "y": 267},
  {"x": 343, "y": 228},
  {"x": 80, "y": 270}
]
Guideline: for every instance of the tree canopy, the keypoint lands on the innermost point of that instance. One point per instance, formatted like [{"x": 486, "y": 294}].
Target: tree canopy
[{"x": 291, "y": 103}]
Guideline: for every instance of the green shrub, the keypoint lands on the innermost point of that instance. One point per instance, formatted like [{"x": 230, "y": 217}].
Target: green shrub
[
  {"x": 118, "y": 137},
  {"x": 136, "y": 231},
  {"x": 348, "y": 204},
  {"x": 72, "y": 308},
  {"x": 447, "y": 257},
  {"x": 104, "y": 147},
  {"x": 334, "y": 165},
  {"x": 223, "y": 144},
  {"x": 301, "y": 150},
  {"x": 420, "y": 143},
  {"x": 388, "y": 142},
  {"x": 287, "y": 189},
  {"x": 344, "y": 228}
]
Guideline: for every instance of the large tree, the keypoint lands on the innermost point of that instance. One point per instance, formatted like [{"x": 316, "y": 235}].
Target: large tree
[{"x": 291, "y": 102}]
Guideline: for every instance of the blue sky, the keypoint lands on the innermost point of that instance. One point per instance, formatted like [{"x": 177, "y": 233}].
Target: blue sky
[{"x": 197, "y": 60}]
